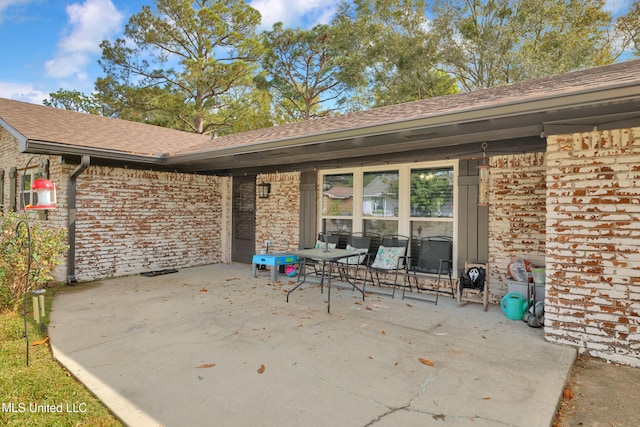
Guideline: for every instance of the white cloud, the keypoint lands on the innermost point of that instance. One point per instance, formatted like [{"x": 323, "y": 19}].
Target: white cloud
[
  {"x": 6, "y": 4},
  {"x": 295, "y": 13},
  {"x": 22, "y": 92},
  {"x": 89, "y": 24}
]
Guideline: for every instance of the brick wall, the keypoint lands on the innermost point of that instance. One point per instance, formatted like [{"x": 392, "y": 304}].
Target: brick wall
[
  {"x": 54, "y": 219},
  {"x": 130, "y": 221},
  {"x": 278, "y": 216},
  {"x": 517, "y": 215},
  {"x": 593, "y": 243}
]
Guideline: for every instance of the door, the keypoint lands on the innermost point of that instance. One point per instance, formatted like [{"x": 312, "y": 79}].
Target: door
[{"x": 243, "y": 219}]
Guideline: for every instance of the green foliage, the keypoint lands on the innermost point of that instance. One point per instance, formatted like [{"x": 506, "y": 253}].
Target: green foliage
[
  {"x": 178, "y": 64},
  {"x": 47, "y": 249},
  {"x": 627, "y": 28},
  {"x": 300, "y": 68},
  {"x": 388, "y": 54},
  {"x": 73, "y": 100},
  {"x": 486, "y": 43},
  {"x": 201, "y": 67}
]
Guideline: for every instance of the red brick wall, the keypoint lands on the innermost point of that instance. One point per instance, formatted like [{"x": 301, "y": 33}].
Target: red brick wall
[
  {"x": 593, "y": 243},
  {"x": 278, "y": 216},
  {"x": 517, "y": 215}
]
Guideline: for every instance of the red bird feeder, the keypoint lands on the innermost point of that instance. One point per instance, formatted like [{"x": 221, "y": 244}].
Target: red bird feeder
[{"x": 46, "y": 191}]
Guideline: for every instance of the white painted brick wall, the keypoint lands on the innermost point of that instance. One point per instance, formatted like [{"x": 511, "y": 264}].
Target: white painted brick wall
[
  {"x": 593, "y": 243},
  {"x": 278, "y": 216},
  {"x": 130, "y": 221},
  {"x": 517, "y": 210}
]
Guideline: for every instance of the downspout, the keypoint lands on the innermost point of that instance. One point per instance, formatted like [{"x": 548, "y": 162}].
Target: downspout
[{"x": 71, "y": 226}]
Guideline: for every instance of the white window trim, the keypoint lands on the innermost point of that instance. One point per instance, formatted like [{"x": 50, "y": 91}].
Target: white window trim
[
  {"x": 33, "y": 174},
  {"x": 404, "y": 178}
]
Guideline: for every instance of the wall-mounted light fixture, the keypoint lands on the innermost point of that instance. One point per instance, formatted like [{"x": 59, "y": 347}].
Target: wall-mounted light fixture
[
  {"x": 263, "y": 190},
  {"x": 483, "y": 172}
]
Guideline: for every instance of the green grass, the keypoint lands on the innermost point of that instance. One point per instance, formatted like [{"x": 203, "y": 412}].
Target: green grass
[{"x": 43, "y": 382}]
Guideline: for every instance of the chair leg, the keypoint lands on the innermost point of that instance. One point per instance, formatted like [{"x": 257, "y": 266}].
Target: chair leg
[{"x": 407, "y": 281}]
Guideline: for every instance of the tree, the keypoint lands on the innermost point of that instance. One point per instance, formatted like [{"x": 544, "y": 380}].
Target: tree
[
  {"x": 180, "y": 64},
  {"x": 72, "y": 100},
  {"x": 299, "y": 67},
  {"x": 628, "y": 28},
  {"x": 389, "y": 56},
  {"x": 487, "y": 43}
]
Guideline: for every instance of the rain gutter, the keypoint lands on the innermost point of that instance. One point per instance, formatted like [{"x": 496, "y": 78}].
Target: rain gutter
[
  {"x": 496, "y": 110},
  {"x": 71, "y": 226}
]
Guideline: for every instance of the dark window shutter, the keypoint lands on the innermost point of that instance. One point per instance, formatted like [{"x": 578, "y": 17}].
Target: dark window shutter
[{"x": 13, "y": 180}]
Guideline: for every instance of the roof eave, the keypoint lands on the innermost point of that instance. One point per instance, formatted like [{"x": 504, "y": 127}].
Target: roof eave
[
  {"x": 53, "y": 148},
  {"x": 556, "y": 102}
]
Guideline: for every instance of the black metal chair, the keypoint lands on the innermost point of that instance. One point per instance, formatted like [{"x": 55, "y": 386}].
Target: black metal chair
[
  {"x": 331, "y": 240},
  {"x": 360, "y": 244},
  {"x": 390, "y": 259},
  {"x": 434, "y": 257},
  {"x": 395, "y": 240}
]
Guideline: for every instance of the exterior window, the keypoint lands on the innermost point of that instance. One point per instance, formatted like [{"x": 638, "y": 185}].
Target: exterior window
[
  {"x": 28, "y": 196},
  {"x": 337, "y": 202},
  {"x": 413, "y": 199},
  {"x": 380, "y": 202},
  {"x": 431, "y": 202}
]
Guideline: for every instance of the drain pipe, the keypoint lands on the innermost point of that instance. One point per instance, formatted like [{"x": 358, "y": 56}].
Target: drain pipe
[{"x": 71, "y": 226}]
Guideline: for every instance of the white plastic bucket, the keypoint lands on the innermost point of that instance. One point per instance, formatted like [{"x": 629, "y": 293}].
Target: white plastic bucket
[{"x": 538, "y": 275}]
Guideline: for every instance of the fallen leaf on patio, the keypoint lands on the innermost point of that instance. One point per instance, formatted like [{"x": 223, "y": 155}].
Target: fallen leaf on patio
[
  {"x": 368, "y": 308},
  {"x": 383, "y": 332},
  {"x": 409, "y": 305},
  {"x": 486, "y": 398},
  {"x": 207, "y": 365},
  {"x": 439, "y": 417},
  {"x": 357, "y": 302},
  {"x": 261, "y": 369},
  {"x": 484, "y": 338},
  {"x": 204, "y": 290},
  {"x": 370, "y": 357},
  {"x": 567, "y": 394},
  {"x": 42, "y": 341},
  {"x": 425, "y": 361}
]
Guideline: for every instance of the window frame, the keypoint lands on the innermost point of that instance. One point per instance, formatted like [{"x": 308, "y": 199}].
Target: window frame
[{"x": 403, "y": 218}]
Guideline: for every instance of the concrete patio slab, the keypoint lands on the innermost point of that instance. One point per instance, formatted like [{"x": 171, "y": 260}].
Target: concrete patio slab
[{"x": 213, "y": 346}]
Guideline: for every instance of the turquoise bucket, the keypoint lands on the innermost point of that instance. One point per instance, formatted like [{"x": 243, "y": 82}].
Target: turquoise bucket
[{"x": 514, "y": 305}]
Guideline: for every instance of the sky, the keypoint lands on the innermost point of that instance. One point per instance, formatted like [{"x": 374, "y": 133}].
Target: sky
[{"x": 48, "y": 45}]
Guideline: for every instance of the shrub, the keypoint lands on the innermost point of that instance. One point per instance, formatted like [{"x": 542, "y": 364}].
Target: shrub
[{"x": 47, "y": 246}]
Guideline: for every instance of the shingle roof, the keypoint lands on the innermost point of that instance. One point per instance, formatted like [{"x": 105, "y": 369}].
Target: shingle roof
[
  {"x": 47, "y": 124},
  {"x": 339, "y": 192},
  {"x": 547, "y": 87},
  {"x": 78, "y": 131}
]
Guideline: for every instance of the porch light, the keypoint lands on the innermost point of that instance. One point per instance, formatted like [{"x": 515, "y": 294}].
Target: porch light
[
  {"x": 46, "y": 191},
  {"x": 483, "y": 172},
  {"x": 263, "y": 190}
]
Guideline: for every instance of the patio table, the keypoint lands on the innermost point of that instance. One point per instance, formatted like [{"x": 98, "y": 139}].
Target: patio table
[{"x": 327, "y": 257}]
